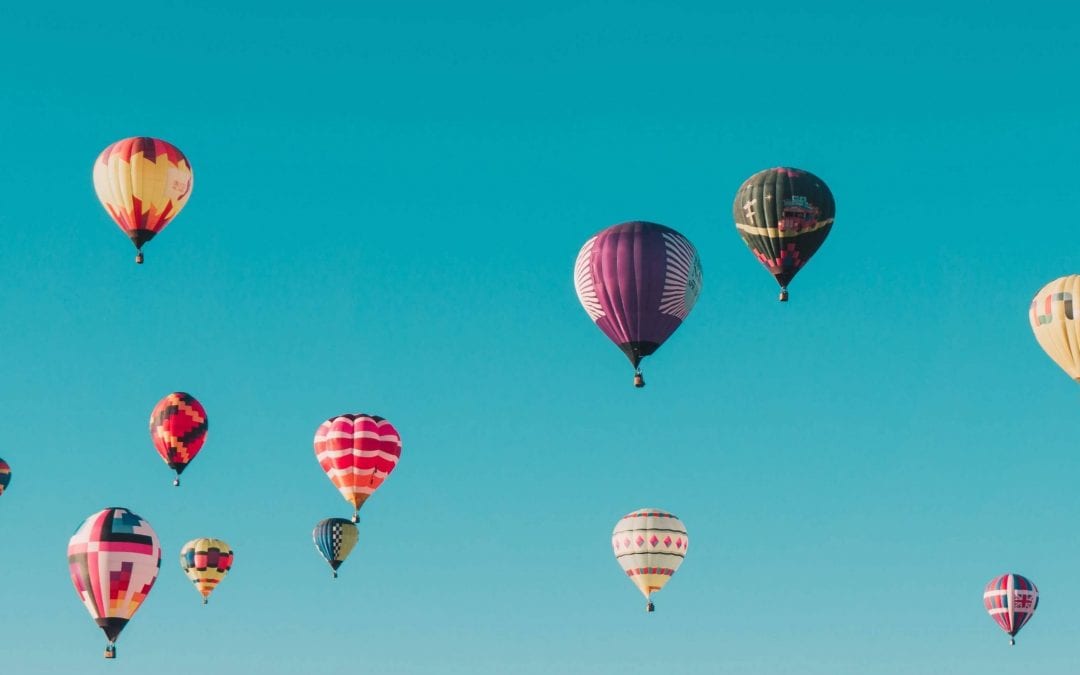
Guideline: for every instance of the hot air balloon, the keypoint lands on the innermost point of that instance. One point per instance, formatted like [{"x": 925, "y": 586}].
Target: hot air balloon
[
  {"x": 114, "y": 558},
  {"x": 178, "y": 428},
  {"x": 1056, "y": 324},
  {"x": 783, "y": 216},
  {"x": 1011, "y": 600},
  {"x": 650, "y": 545},
  {"x": 335, "y": 539},
  {"x": 5, "y": 476},
  {"x": 638, "y": 281},
  {"x": 357, "y": 452},
  {"x": 206, "y": 562},
  {"x": 143, "y": 183}
]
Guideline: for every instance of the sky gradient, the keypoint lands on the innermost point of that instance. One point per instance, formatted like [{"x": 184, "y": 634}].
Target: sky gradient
[{"x": 387, "y": 205}]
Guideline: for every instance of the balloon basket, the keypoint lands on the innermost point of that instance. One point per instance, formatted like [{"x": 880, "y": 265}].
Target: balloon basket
[
  {"x": 783, "y": 295},
  {"x": 639, "y": 380},
  {"x": 138, "y": 261},
  {"x": 1012, "y": 642},
  {"x": 110, "y": 651},
  {"x": 650, "y": 607},
  {"x": 176, "y": 482}
]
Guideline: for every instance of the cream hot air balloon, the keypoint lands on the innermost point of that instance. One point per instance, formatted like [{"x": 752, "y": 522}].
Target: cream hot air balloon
[
  {"x": 1054, "y": 319},
  {"x": 650, "y": 545}
]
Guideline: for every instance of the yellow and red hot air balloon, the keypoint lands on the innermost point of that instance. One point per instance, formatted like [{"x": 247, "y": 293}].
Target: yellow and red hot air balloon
[
  {"x": 206, "y": 561},
  {"x": 357, "y": 452},
  {"x": 142, "y": 183}
]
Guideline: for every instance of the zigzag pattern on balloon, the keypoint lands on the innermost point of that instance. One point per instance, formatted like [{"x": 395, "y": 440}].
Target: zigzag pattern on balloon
[{"x": 178, "y": 427}]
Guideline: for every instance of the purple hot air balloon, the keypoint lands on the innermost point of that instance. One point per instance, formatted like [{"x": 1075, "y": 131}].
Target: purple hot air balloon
[{"x": 638, "y": 281}]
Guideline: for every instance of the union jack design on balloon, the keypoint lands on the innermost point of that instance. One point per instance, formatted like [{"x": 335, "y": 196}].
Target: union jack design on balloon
[
  {"x": 178, "y": 427},
  {"x": 357, "y": 452},
  {"x": 649, "y": 545},
  {"x": 114, "y": 559},
  {"x": 1011, "y": 601},
  {"x": 142, "y": 183},
  {"x": 638, "y": 282}
]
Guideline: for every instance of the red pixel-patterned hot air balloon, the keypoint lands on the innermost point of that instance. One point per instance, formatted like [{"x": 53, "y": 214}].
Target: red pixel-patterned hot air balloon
[
  {"x": 357, "y": 452},
  {"x": 178, "y": 428}
]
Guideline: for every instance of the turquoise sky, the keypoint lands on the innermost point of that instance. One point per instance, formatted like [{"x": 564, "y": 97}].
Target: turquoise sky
[{"x": 388, "y": 201}]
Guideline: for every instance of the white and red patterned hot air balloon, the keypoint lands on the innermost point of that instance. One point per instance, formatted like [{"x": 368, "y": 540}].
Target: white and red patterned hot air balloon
[
  {"x": 650, "y": 545},
  {"x": 357, "y": 452},
  {"x": 1011, "y": 601}
]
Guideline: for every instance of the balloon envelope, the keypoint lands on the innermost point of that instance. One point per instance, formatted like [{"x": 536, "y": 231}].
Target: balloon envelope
[
  {"x": 1011, "y": 601},
  {"x": 783, "y": 216},
  {"x": 357, "y": 452},
  {"x": 638, "y": 281},
  {"x": 5, "y": 476},
  {"x": 114, "y": 558},
  {"x": 142, "y": 183},
  {"x": 649, "y": 545},
  {"x": 1055, "y": 320},
  {"x": 335, "y": 538},
  {"x": 178, "y": 427},
  {"x": 206, "y": 561}
]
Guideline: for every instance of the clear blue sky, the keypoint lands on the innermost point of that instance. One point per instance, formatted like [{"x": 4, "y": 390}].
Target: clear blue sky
[{"x": 388, "y": 202}]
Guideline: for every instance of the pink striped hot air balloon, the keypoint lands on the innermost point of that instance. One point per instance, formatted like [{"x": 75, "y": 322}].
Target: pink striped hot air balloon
[
  {"x": 357, "y": 452},
  {"x": 638, "y": 281},
  {"x": 1011, "y": 601}
]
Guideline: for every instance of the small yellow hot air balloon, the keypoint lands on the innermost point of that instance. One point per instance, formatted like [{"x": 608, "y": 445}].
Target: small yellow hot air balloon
[
  {"x": 206, "y": 561},
  {"x": 1056, "y": 322}
]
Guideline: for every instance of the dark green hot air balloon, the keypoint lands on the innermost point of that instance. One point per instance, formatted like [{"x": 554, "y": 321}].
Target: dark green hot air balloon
[{"x": 784, "y": 215}]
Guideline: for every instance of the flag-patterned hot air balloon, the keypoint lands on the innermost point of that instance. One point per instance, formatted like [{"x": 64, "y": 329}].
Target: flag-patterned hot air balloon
[
  {"x": 178, "y": 428},
  {"x": 650, "y": 545},
  {"x": 1055, "y": 319},
  {"x": 114, "y": 559},
  {"x": 1011, "y": 600},
  {"x": 5, "y": 476},
  {"x": 357, "y": 452},
  {"x": 335, "y": 538},
  {"x": 638, "y": 281},
  {"x": 142, "y": 183},
  {"x": 206, "y": 562},
  {"x": 783, "y": 215}
]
